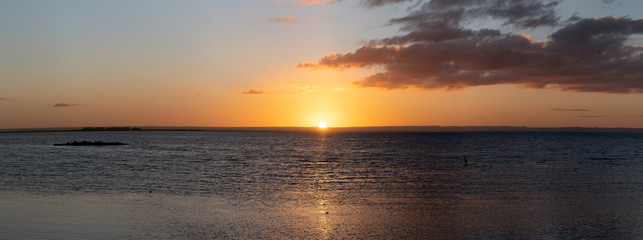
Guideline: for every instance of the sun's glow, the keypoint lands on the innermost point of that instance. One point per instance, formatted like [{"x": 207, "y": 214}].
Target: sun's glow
[{"x": 322, "y": 125}]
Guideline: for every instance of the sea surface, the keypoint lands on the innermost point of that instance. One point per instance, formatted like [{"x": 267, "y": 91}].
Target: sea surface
[{"x": 280, "y": 185}]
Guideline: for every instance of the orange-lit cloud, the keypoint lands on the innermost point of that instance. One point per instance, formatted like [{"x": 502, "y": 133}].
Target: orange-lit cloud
[
  {"x": 591, "y": 116},
  {"x": 254, "y": 91},
  {"x": 66, "y": 105},
  {"x": 307, "y": 64},
  {"x": 570, "y": 110},
  {"x": 286, "y": 19},
  {"x": 438, "y": 52},
  {"x": 303, "y": 89},
  {"x": 296, "y": 89},
  {"x": 191, "y": 93},
  {"x": 1, "y": 98}
]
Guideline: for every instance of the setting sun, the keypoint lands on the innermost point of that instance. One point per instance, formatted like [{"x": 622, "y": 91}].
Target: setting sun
[{"x": 322, "y": 125}]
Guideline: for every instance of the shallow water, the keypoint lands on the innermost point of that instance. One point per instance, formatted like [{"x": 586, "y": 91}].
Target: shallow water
[{"x": 169, "y": 185}]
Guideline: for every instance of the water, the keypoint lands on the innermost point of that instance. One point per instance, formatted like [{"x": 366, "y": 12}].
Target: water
[{"x": 247, "y": 185}]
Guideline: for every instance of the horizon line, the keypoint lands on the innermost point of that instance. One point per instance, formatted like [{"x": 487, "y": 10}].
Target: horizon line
[{"x": 400, "y": 128}]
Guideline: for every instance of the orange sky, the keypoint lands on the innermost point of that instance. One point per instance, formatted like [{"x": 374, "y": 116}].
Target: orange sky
[{"x": 204, "y": 63}]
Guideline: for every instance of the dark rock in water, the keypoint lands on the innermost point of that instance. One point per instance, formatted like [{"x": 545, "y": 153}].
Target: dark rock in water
[{"x": 86, "y": 143}]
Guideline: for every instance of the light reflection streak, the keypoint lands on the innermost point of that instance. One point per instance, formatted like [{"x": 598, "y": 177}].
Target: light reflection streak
[{"x": 324, "y": 193}]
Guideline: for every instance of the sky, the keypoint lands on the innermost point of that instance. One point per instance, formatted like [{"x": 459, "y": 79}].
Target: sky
[{"x": 274, "y": 63}]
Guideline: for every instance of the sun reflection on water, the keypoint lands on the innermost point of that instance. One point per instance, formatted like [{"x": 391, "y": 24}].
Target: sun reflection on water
[
  {"x": 324, "y": 194},
  {"x": 325, "y": 226}
]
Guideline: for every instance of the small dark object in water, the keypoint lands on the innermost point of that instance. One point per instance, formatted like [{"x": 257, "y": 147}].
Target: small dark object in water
[
  {"x": 86, "y": 143},
  {"x": 465, "y": 160}
]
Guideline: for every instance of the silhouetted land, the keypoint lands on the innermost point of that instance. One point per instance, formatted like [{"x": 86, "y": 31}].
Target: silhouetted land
[
  {"x": 343, "y": 129},
  {"x": 111, "y": 129}
]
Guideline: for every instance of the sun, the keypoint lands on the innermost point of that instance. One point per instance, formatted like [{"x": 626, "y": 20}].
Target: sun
[{"x": 322, "y": 125}]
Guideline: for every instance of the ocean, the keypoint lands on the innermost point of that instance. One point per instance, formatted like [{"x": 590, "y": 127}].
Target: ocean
[{"x": 289, "y": 185}]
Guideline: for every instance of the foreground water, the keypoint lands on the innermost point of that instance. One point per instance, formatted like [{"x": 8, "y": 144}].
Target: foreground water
[{"x": 203, "y": 185}]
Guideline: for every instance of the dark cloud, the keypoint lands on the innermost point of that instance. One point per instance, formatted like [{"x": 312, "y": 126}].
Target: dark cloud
[
  {"x": 66, "y": 105},
  {"x": 519, "y": 13},
  {"x": 377, "y": 3},
  {"x": 570, "y": 109},
  {"x": 254, "y": 91},
  {"x": 1, "y": 98},
  {"x": 438, "y": 51},
  {"x": 286, "y": 19},
  {"x": 608, "y": 1}
]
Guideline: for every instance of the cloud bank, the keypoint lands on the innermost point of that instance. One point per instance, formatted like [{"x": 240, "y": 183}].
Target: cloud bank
[
  {"x": 66, "y": 105},
  {"x": 314, "y": 2},
  {"x": 254, "y": 91},
  {"x": 191, "y": 93},
  {"x": 367, "y": 3},
  {"x": 286, "y": 19},
  {"x": 591, "y": 116},
  {"x": 570, "y": 110},
  {"x": 439, "y": 52}
]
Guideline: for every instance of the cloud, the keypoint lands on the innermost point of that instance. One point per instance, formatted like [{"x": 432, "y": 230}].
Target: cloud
[
  {"x": 366, "y": 3},
  {"x": 303, "y": 89},
  {"x": 286, "y": 19},
  {"x": 570, "y": 110},
  {"x": 1, "y": 98},
  {"x": 591, "y": 116},
  {"x": 314, "y": 2},
  {"x": 377, "y": 3},
  {"x": 607, "y": 1},
  {"x": 66, "y": 105},
  {"x": 254, "y": 91},
  {"x": 191, "y": 93},
  {"x": 438, "y": 51},
  {"x": 519, "y": 13}
]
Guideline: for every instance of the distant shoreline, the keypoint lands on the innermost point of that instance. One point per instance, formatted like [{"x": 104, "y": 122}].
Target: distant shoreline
[{"x": 419, "y": 129}]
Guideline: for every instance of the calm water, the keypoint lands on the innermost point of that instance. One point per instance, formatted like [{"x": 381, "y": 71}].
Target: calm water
[{"x": 203, "y": 185}]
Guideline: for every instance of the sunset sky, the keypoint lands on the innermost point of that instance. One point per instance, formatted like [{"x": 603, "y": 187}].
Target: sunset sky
[{"x": 535, "y": 63}]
